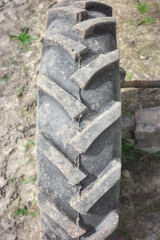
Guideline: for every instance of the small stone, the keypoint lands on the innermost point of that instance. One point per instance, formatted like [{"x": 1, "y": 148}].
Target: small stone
[
  {"x": 29, "y": 100},
  {"x": 126, "y": 174},
  {"x": 144, "y": 57}
]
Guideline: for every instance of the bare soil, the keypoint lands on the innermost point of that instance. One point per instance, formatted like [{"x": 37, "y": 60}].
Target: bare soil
[{"x": 140, "y": 56}]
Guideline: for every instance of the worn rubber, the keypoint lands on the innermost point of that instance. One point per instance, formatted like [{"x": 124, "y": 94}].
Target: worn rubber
[{"x": 78, "y": 123}]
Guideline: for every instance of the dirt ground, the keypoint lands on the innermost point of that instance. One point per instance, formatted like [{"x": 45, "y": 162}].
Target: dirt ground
[{"x": 138, "y": 42}]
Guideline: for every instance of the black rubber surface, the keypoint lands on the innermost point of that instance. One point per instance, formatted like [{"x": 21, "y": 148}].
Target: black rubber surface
[{"x": 78, "y": 123}]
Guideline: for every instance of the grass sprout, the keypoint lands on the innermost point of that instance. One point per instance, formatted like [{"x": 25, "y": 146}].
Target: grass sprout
[
  {"x": 23, "y": 38},
  {"x": 142, "y": 7}
]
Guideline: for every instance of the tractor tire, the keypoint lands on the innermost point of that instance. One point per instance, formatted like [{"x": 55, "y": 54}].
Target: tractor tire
[{"x": 78, "y": 123}]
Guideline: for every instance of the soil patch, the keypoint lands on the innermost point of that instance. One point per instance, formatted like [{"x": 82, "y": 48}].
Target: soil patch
[{"x": 138, "y": 42}]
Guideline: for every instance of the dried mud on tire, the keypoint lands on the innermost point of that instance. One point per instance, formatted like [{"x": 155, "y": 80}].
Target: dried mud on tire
[{"x": 78, "y": 121}]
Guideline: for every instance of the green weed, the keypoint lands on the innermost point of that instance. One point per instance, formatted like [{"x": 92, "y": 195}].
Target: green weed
[
  {"x": 156, "y": 155},
  {"x": 129, "y": 75},
  {"x": 36, "y": 14},
  {"x": 142, "y": 7},
  {"x": 34, "y": 199},
  {"x": 41, "y": 28},
  {"x": 131, "y": 21},
  {"x": 147, "y": 21},
  {"x": 23, "y": 38},
  {"x": 4, "y": 79},
  {"x": 30, "y": 160},
  {"x": 127, "y": 235},
  {"x": 121, "y": 66},
  {"x": 19, "y": 212},
  {"x": 34, "y": 211},
  {"x": 128, "y": 113},
  {"x": 24, "y": 129},
  {"x": 12, "y": 180},
  {"x": 129, "y": 150},
  {"x": 141, "y": 51},
  {"x": 153, "y": 153},
  {"x": 43, "y": 12},
  {"x": 153, "y": 208},
  {"x": 28, "y": 145},
  {"x": 34, "y": 202},
  {"x": 33, "y": 214},
  {"x": 31, "y": 179},
  {"x": 25, "y": 68},
  {"x": 20, "y": 91}
]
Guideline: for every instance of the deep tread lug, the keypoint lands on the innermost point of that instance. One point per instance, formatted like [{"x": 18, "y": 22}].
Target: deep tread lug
[
  {"x": 83, "y": 140},
  {"x": 84, "y": 75},
  {"x": 70, "y": 104},
  {"x": 88, "y": 27},
  {"x": 106, "y": 227},
  {"x": 61, "y": 219},
  {"x": 90, "y": 195},
  {"x": 75, "y": 14},
  {"x": 72, "y": 173},
  {"x": 75, "y": 49}
]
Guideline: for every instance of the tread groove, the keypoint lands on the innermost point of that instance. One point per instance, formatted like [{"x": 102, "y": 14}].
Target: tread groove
[
  {"x": 70, "y": 104},
  {"x": 82, "y": 141},
  {"x": 73, "y": 174},
  {"x": 90, "y": 195},
  {"x": 84, "y": 75}
]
